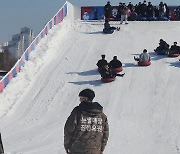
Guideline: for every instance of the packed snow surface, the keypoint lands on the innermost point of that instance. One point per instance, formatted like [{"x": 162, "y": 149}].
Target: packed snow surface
[{"x": 143, "y": 107}]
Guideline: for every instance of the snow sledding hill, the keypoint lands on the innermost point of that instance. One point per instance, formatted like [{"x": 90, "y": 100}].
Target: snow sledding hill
[{"x": 143, "y": 107}]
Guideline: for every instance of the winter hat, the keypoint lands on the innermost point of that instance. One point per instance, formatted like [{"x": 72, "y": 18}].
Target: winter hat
[
  {"x": 103, "y": 56},
  {"x": 115, "y": 57},
  {"x": 144, "y": 50},
  {"x": 87, "y": 93}
]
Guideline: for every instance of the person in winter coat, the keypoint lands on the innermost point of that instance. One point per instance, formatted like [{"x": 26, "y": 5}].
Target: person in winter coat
[
  {"x": 1, "y": 146},
  {"x": 107, "y": 26},
  {"x": 167, "y": 10},
  {"x": 108, "y": 10},
  {"x": 163, "y": 48},
  {"x": 115, "y": 63},
  {"x": 144, "y": 57},
  {"x": 124, "y": 14},
  {"x": 162, "y": 9},
  {"x": 138, "y": 9},
  {"x": 86, "y": 130},
  {"x": 119, "y": 10},
  {"x": 106, "y": 73},
  {"x": 150, "y": 10},
  {"x": 131, "y": 7},
  {"x": 143, "y": 9},
  {"x": 175, "y": 49},
  {"x": 102, "y": 62}
]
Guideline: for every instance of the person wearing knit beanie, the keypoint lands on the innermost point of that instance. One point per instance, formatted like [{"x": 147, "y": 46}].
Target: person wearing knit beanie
[
  {"x": 86, "y": 129},
  {"x": 88, "y": 93}
]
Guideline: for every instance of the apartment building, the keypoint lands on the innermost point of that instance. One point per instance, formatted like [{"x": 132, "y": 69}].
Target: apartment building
[{"x": 19, "y": 42}]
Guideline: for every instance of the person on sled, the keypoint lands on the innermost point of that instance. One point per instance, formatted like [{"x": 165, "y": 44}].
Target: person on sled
[
  {"x": 106, "y": 73},
  {"x": 115, "y": 63},
  {"x": 175, "y": 49},
  {"x": 107, "y": 26},
  {"x": 102, "y": 62},
  {"x": 143, "y": 57},
  {"x": 163, "y": 48}
]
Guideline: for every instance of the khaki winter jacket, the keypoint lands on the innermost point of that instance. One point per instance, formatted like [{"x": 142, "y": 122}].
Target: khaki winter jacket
[{"x": 86, "y": 130}]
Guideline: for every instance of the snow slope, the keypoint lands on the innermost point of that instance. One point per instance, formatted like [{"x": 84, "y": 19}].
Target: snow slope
[{"x": 142, "y": 108}]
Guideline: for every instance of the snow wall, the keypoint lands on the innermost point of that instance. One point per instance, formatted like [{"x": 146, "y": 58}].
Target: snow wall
[{"x": 67, "y": 10}]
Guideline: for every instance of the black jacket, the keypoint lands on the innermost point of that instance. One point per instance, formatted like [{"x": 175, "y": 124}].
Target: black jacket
[
  {"x": 107, "y": 25},
  {"x": 108, "y": 11},
  {"x": 175, "y": 49},
  {"x": 101, "y": 63},
  {"x": 115, "y": 64}
]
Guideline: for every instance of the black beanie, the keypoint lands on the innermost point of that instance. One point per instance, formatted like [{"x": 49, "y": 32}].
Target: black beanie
[
  {"x": 87, "y": 93},
  {"x": 144, "y": 50}
]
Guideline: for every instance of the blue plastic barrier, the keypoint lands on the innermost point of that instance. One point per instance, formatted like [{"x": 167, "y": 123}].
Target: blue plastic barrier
[
  {"x": 14, "y": 72},
  {"x": 6, "y": 81},
  {"x": 152, "y": 18},
  {"x": 163, "y": 19},
  {"x": 142, "y": 19}
]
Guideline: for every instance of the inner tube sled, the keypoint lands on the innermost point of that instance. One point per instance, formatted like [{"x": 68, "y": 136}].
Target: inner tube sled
[
  {"x": 116, "y": 70},
  {"x": 108, "y": 31},
  {"x": 106, "y": 80},
  {"x": 142, "y": 19},
  {"x": 144, "y": 63},
  {"x": 174, "y": 55},
  {"x": 161, "y": 52}
]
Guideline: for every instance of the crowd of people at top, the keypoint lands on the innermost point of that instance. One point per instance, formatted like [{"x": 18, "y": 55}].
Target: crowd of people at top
[
  {"x": 142, "y": 9},
  {"x": 121, "y": 14}
]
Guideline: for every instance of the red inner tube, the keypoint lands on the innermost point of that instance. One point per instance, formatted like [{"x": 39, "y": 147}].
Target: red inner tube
[
  {"x": 144, "y": 63},
  {"x": 116, "y": 70},
  {"x": 109, "y": 19},
  {"x": 107, "y": 79},
  {"x": 174, "y": 55}
]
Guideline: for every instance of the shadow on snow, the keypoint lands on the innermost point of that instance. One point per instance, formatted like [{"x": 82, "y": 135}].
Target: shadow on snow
[{"x": 86, "y": 73}]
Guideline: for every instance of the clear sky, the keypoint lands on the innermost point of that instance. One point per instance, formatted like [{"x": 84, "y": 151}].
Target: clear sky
[{"x": 15, "y": 14}]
